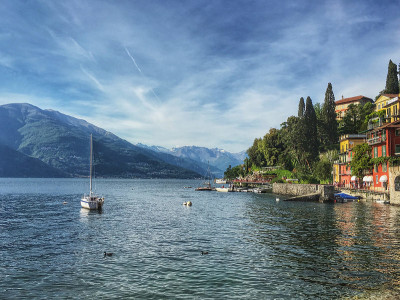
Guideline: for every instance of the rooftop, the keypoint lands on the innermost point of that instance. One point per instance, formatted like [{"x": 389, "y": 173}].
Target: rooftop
[{"x": 353, "y": 99}]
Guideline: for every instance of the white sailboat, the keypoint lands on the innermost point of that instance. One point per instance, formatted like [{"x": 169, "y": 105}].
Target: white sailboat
[{"x": 92, "y": 201}]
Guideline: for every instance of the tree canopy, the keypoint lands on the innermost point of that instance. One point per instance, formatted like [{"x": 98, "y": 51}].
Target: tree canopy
[
  {"x": 301, "y": 108},
  {"x": 329, "y": 126},
  {"x": 361, "y": 159},
  {"x": 392, "y": 81}
]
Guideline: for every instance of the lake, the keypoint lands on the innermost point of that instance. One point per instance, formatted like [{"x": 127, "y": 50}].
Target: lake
[{"x": 258, "y": 248}]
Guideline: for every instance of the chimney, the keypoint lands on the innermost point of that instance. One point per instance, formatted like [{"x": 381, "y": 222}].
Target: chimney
[{"x": 342, "y": 97}]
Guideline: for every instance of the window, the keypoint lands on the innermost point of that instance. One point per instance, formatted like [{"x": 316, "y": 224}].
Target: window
[
  {"x": 397, "y": 183},
  {"x": 376, "y": 179},
  {"x": 397, "y": 132},
  {"x": 384, "y": 167},
  {"x": 379, "y": 106},
  {"x": 376, "y": 151},
  {"x": 384, "y": 150},
  {"x": 397, "y": 149},
  {"x": 376, "y": 168}
]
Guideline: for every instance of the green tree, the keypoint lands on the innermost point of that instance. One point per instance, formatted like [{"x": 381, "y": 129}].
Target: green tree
[
  {"x": 356, "y": 118},
  {"x": 233, "y": 173},
  {"x": 310, "y": 135},
  {"x": 301, "y": 108},
  {"x": 365, "y": 111},
  {"x": 352, "y": 120},
  {"x": 292, "y": 132},
  {"x": 361, "y": 160},
  {"x": 329, "y": 124},
  {"x": 272, "y": 147},
  {"x": 255, "y": 153},
  {"x": 323, "y": 168},
  {"x": 392, "y": 81}
]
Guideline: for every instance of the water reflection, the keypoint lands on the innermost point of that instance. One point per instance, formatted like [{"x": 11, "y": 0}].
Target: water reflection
[{"x": 356, "y": 245}]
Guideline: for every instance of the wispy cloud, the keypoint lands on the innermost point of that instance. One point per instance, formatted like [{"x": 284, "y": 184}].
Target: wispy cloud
[{"x": 180, "y": 73}]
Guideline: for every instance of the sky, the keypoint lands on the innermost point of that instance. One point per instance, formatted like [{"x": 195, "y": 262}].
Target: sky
[{"x": 210, "y": 73}]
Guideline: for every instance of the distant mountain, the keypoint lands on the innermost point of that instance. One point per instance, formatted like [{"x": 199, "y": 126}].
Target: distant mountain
[
  {"x": 16, "y": 164},
  {"x": 50, "y": 141},
  {"x": 217, "y": 159}
]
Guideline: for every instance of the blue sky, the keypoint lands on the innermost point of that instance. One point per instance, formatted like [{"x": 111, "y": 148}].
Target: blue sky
[{"x": 207, "y": 73}]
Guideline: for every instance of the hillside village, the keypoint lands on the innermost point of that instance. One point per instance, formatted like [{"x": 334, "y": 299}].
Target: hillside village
[
  {"x": 383, "y": 137},
  {"x": 359, "y": 150}
]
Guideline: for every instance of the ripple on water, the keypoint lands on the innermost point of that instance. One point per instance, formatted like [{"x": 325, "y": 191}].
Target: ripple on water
[{"x": 258, "y": 248}]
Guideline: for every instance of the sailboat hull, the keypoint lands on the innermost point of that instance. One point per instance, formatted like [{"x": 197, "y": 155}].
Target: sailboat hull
[{"x": 92, "y": 203}]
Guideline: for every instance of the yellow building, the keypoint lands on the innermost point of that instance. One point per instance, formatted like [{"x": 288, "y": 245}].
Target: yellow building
[
  {"x": 349, "y": 141},
  {"x": 341, "y": 168},
  {"x": 384, "y": 100},
  {"x": 392, "y": 109}
]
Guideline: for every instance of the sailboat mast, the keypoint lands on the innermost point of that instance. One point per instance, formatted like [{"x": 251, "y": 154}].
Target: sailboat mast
[{"x": 91, "y": 163}]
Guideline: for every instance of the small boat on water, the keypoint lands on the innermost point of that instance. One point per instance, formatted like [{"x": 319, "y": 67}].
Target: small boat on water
[
  {"x": 207, "y": 185},
  {"x": 92, "y": 201},
  {"x": 343, "y": 198},
  {"x": 223, "y": 189}
]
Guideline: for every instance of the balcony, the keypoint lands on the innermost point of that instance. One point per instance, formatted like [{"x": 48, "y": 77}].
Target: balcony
[
  {"x": 345, "y": 173},
  {"x": 375, "y": 123},
  {"x": 375, "y": 140}
]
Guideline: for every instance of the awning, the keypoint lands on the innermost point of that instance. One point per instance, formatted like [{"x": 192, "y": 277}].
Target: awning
[
  {"x": 368, "y": 179},
  {"x": 383, "y": 178},
  {"x": 353, "y": 178}
]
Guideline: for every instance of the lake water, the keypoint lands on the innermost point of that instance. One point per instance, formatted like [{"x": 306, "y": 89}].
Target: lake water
[{"x": 258, "y": 248}]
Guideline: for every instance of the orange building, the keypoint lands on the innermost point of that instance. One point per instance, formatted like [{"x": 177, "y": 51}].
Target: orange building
[{"x": 342, "y": 105}]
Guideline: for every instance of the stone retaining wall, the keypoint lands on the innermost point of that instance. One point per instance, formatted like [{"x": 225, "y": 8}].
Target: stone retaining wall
[
  {"x": 289, "y": 189},
  {"x": 367, "y": 195}
]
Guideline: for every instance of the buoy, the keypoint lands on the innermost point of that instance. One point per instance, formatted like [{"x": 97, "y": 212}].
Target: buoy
[
  {"x": 188, "y": 203},
  {"x": 277, "y": 199}
]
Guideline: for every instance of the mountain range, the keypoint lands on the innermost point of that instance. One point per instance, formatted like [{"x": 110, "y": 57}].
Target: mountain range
[
  {"x": 47, "y": 143},
  {"x": 218, "y": 160}
]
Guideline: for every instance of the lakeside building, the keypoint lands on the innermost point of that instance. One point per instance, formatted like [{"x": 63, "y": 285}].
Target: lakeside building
[
  {"x": 384, "y": 138},
  {"x": 342, "y": 105},
  {"x": 383, "y": 101},
  {"x": 392, "y": 108},
  {"x": 341, "y": 168}
]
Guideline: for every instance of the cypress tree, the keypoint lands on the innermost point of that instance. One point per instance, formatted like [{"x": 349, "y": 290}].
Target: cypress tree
[
  {"x": 311, "y": 134},
  {"x": 301, "y": 108},
  {"x": 392, "y": 82},
  {"x": 328, "y": 118}
]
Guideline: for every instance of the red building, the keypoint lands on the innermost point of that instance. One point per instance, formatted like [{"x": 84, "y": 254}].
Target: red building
[{"x": 384, "y": 138}]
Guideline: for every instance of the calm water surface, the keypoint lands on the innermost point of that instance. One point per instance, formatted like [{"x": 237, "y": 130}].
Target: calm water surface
[{"x": 258, "y": 248}]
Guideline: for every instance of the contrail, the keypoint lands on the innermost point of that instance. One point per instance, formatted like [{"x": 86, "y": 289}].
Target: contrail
[{"x": 137, "y": 67}]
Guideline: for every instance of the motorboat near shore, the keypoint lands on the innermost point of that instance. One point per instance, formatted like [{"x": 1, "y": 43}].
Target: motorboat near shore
[{"x": 343, "y": 198}]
